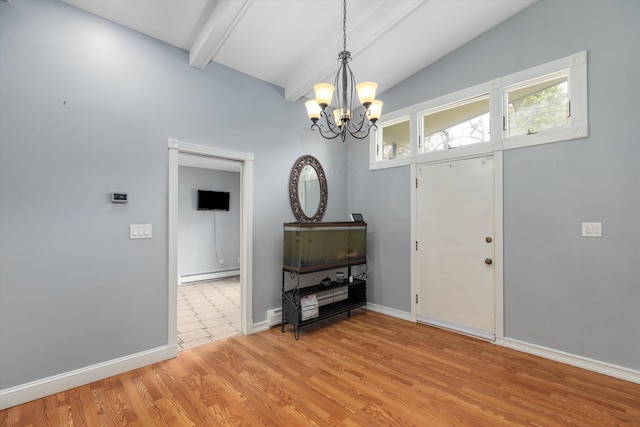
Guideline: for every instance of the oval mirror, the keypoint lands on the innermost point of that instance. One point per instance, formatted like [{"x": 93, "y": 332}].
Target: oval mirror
[{"x": 308, "y": 190}]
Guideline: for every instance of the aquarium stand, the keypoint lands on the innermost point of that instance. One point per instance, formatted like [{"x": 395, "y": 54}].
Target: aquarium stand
[{"x": 318, "y": 247}]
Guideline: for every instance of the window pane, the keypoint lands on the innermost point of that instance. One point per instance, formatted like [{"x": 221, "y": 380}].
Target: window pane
[
  {"x": 395, "y": 140},
  {"x": 538, "y": 107},
  {"x": 464, "y": 124}
]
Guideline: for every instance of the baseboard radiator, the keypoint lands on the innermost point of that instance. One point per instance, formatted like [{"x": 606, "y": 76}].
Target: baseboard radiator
[{"x": 274, "y": 316}]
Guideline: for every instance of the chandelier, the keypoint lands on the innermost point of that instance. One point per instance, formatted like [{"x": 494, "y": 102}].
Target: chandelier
[{"x": 339, "y": 122}]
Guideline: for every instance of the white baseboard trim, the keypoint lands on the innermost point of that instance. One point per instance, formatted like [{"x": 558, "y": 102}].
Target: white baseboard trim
[
  {"x": 460, "y": 329},
  {"x": 191, "y": 278},
  {"x": 391, "y": 312},
  {"x": 604, "y": 368},
  {"x": 47, "y": 386},
  {"x": 611, "y": 370},
  {"x": 260, "y": 327}
]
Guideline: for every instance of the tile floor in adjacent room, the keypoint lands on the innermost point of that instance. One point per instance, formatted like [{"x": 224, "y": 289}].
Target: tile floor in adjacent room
[{"x": 208, "y": 311}]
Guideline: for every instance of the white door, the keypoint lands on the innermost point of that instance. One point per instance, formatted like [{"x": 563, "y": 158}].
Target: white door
[{"x": 455, "y": 229}]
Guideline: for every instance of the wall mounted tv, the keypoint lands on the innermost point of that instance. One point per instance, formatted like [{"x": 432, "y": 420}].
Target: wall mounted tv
[{"x": 213, "y": 200}]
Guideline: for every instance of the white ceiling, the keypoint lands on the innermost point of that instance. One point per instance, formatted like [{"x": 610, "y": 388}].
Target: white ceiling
[{"x": 294, "y": 44}]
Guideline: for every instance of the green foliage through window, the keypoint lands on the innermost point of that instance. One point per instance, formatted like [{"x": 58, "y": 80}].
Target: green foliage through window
[{"x": 538, "y": 107}]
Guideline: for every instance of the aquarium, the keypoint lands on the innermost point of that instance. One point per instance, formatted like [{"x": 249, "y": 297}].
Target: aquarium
[{"x": 318, "y": 246}]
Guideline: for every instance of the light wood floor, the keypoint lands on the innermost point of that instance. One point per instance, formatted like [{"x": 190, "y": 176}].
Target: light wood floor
[{"x": 367, "y": 370}]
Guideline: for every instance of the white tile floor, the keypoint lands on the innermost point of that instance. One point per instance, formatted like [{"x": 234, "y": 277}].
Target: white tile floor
[{"x": 208, "y": 311}]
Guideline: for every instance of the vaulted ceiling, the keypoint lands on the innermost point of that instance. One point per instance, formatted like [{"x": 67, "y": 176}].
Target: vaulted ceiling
[{"x": 295, "y": 43}]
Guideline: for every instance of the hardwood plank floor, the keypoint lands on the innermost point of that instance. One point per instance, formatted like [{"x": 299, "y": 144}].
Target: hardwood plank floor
[{"x": 366, "y": 370}]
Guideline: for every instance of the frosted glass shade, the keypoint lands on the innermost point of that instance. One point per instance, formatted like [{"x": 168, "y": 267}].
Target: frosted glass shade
[
  {"x": 375, "y": 109},
  {"x": 366, "y": 92},
  {"x": 324, "y": 93},
  {"x": 313, "y": 109}
]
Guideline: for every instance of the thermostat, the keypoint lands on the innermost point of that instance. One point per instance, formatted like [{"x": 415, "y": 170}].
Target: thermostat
[{"x": 119, "y": 198}]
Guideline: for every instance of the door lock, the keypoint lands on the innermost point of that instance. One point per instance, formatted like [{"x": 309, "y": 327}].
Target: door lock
[
  {"x": 488, "y": 261},
  {"x": 488, "y": 240}
]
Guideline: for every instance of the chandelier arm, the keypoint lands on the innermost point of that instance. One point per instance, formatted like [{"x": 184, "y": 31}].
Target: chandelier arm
[
  {"x": 359, "y": 131},
  {"x": 330, "y": 124},
  {"x": 353, "y": 93},
  {"x": 357, "y": 127},
  {"x": 357, "y": 135},
  {"x": 364, "y": 120},
  {"x": 324, "y": 133},
  {"x": 330, "y": 131},
  {"x": 340, "y": 82}
]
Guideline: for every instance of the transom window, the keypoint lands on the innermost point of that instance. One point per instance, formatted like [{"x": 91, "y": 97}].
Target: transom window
[
  {"x": 396, "y": 141},
  {"x": 540, "y": 105},
  {"x": 462, "y": 124}
]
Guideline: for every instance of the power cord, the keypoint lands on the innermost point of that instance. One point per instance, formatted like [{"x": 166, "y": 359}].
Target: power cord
[{"x": 215, "y": 240}]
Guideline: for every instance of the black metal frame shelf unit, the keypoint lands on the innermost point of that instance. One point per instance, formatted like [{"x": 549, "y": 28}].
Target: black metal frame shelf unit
[{"x": 317, "y": 247}]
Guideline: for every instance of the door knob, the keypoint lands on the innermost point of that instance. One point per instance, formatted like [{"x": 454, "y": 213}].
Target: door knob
[
  {"x": 488, "y": 261},
  {"x": 488, "y": 239}
]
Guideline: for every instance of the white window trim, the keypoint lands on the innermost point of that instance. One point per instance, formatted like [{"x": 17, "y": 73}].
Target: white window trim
[
  {"x": 375, "y": 139},
  {"x": 576, "y": 67},
  {"x": 450, "y": 101}
]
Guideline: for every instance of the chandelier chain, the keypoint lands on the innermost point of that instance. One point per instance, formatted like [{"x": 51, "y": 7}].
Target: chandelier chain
[{"x": 344, "y": 25}]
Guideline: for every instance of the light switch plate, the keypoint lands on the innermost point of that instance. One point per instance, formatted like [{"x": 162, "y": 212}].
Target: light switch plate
[
  {"x": 591, "y": 229},
  {"x": 140, "y": 231}
]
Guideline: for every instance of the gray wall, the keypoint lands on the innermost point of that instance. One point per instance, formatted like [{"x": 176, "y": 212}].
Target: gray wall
[
  {"x": 74, "y": 290},
  {"x": 562, "y": 291},
  {"x": 203, "y": 233}
]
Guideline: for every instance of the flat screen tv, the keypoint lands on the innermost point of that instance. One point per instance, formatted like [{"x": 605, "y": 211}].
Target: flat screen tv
[{"x": 213, "y": 200}]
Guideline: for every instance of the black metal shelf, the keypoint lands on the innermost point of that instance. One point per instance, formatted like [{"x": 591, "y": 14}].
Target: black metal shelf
[
  {"x": 333, "y": 309},
  {"x": 314, "y": 289},
  {"x": 292, "y": 309}
]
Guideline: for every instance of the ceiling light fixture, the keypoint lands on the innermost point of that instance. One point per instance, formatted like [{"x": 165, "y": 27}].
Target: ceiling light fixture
[{"x": 345, "y": 87}]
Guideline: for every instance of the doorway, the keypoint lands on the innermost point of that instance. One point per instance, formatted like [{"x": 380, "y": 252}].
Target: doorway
[
  {"x": 455, "y": 255},
  {"x": 208, "y": 250},
  {"x": 211, "y": 155}
]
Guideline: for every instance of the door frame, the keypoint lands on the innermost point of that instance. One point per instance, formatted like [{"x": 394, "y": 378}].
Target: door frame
[
  {"x": 498, "y": 237},
  {"x": 246, "y": 231}
]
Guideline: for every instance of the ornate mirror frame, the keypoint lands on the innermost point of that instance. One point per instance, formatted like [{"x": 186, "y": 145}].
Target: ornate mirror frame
[{"x": 294, "y": 181}]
